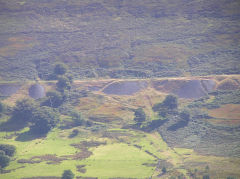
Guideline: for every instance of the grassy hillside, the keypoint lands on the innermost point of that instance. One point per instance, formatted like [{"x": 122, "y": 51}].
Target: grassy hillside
[
  {"x": 114, "y": 147},
  {"x": 119, "y": 38}
]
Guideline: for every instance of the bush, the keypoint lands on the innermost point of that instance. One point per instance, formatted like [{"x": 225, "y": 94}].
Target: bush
[
  {"x": 1, "y": 107},
  {"x": 170, "y": 102},
  {"x": 77, "y": 118},
  {"x": 140, "y": 115},
  {"x": 164, "y": 170},
  {"x": 63, "y": 83},
  {"x": 67, "y": 174},
  {"x": 206, "y": 177},
  {"x": 185, "y": 115},
  {"x": 8, "y": 149},
  {"x": 60, "y": 69},
  {"x": 74, "y": 133}
]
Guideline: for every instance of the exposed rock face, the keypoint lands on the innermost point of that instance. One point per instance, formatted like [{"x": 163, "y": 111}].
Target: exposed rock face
[
  {"x": 125, "y": 87},
  {"x": 36, "y": 91},
  {"x": 9, "y": 89}
]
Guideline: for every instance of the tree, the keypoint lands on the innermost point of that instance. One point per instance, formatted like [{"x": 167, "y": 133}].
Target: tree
[
  {"x": 206, "y": 177},
  {"x": 44, "y": 119},
  {"x": 60, "y": 69},
  {"x": 170, "y": 102},
  {"x": 63, "y": 83},
  {"x": 24, "y": 109},
  {"x": 77, "y": 118},
  {"x": 230, "y": 177},
  {"x": 8, "y": 149},
  {"x": 4, "y": 160},
  {"x": 1, "y": 107},
  {"x": 54, "y": 99},
  {"x": 67, "y": 174},
  {"x": 164, "y": 170},
  {"x": 140, "y": 115},
  {"x": 185, "y": 115}
]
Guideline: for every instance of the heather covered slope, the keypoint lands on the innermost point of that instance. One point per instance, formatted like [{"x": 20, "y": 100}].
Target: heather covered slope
[{"x": 119, "y": 38}]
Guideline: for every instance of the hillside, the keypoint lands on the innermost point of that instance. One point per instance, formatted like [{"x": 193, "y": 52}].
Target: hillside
[
  {"x": 119, "y": 89},
  {"x": 119, "y": 38},
  {"x": 114, "y": 146}
]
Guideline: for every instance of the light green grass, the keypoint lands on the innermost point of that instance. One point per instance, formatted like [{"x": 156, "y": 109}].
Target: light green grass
[{"x": 119, "y": 160}]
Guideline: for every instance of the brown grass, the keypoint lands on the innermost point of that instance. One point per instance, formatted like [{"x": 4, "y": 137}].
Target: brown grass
[{"x": 228, "y": 111}]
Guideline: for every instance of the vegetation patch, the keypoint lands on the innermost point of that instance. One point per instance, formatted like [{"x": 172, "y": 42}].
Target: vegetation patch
[{"x": 227, "y": 111}]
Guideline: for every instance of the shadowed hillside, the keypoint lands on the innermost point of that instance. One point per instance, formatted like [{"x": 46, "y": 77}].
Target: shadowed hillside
[{"x": 119, "y": 38}]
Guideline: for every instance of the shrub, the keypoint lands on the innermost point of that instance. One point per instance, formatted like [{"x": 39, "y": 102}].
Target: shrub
[
  {"x": 67, "y": 174},
  {"x": 74, "y": 133},
  {"x": 170, "y": 102},
  {"x": 164, "y": 170},
  {"x": 185, "y": 115},
  {"x": 63, "y": 83},
  {"x": 60, "y": 69},
  {"x": 140, "y": 115},
  {"x": 1, "y": 107},
  {"x": 77, "y": 118},
  {"x": 206, "y": 177}
]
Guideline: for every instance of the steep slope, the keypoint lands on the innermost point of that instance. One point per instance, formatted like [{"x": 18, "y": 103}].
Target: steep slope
[{"x": 119, "y": 38}]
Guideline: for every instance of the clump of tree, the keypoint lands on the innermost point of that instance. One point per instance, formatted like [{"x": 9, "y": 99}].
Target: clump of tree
[
  {"x": 78, "y": 119},
  {"x": 185, "y": 115},
  {"x": 140, "y": 116},
  {"x": 1, "y": 107},
  {"x": 53, "y": 99},
  {"x": 63, "y": 83},
  {"x": 67, "y": 174},
  {"x": 24, "y": 109},
  {"x": 164, "y": 170},
  {"x": 43, "y": 120},
  {"x": 6, "y": 151},
  {"x": 60, "y": 69},
  {"x": 169, "y": 104}
]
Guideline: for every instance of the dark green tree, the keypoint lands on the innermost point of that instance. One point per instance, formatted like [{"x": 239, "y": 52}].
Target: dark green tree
[
  {"x": 63, "y": 83},
  {"x": 44, "y": 119},
  {"x": 60, "y": 69},
  {"x": 54, "y": 99},
  {"x": 24, "y": 109},
  {"x": 230, "y": 177},
  {"x": 4, "y": 160},
  {"x": 206, "y": 177},
  {"x": 1, "y": 107},
  {"x": 164, "y": 170},
  {"x": 8, "y": 149},
  {"x": 140, "y": 115},
  {"x": 185, "y": 115},
  {"x": 77, "y": 118},
  {"x": 67, "y": 174},
  {"x": 170, "y": 102}
]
